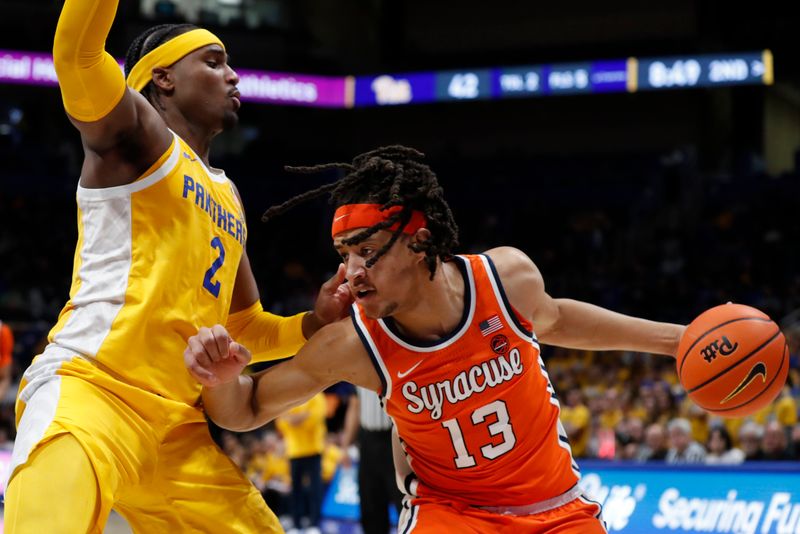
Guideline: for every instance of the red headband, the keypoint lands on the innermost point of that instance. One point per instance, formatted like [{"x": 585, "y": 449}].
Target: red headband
[{"x": 352, "y": 216}]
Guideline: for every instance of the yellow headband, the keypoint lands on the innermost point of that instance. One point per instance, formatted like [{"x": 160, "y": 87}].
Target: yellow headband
[{"x": 167, "y": 54}]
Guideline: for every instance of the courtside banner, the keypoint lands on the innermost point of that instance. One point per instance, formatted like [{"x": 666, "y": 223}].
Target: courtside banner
[
  {"x": 342, "y": 502},
  {"x": 758, "y": 497}
]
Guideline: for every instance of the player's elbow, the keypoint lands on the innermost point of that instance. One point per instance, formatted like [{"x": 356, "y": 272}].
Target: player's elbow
[
  {"x": 64, "y": 55},
  {"x": 233, "y": 422},
  {"x": 549, "y": 325}
]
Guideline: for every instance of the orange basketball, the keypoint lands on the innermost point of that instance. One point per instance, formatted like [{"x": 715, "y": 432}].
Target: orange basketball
[{"x": 732, "y": 360}]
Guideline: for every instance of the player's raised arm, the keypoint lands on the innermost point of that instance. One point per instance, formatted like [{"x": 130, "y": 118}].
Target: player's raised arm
[
  {"x": 272, "y": 337},
  {"x": 93, "y": 87},
  {"x": 241, "y": 402},
  {"x": 576, "y": 324}
]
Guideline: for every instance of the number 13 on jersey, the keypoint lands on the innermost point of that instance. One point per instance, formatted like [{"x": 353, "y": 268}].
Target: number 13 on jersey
[{"x": 500, "y": 427}]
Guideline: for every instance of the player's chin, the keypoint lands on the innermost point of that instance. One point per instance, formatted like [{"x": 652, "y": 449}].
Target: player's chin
[
  {"x": 387, "y": 310},
  {"x": 229, "y": 120}
]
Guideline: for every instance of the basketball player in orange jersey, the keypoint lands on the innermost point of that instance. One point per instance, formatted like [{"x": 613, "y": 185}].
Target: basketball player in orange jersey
[
  {"x": 448, "y": 342},
  {"x": 108, "y": 416}
]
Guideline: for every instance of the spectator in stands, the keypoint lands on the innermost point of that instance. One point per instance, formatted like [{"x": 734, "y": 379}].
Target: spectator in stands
[
  {"x": 795, "y": 441},
  {"x": 234, "y": 449},
  {"x": 303, "y": 429},
  {"x": 6, "y": 443},
  {"x": 720, "y": 448},
  {"x": 576, "y": 418},
  {"x": 629, "y": 434},
  {"x": 683, "y": 449},
  {"x": 655, "y": 444},
  {"x": 750, "y": 435},
  {"x": 332, "y": 456},
  {"x": 774, "y": 444},
  {"x": 269, "y": 471},
  {"x": 665, "y": 401},
  {"x": 6, "y": 353}
]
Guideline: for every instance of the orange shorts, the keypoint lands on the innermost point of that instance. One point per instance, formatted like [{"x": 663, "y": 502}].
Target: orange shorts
[{"x": 427, "y": 515}]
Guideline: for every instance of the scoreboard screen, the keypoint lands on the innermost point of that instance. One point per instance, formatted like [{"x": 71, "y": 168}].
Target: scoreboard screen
[
  {"x": 587, "y": 77},
  {"x": 704, "y": 71}
]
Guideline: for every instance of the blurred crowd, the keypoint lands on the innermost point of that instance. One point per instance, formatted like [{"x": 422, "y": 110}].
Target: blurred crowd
[
  {"x": 292, "y": 461},
  {"x": 631, "y": 407},
  {"x": 649, "y": 235}
]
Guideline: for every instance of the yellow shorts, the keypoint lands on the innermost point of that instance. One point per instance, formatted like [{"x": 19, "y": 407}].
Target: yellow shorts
[{"x": 153, "y": 458}]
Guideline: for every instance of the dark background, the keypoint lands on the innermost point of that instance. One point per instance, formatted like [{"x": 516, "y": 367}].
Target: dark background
[{"x": 660, "y": 204}]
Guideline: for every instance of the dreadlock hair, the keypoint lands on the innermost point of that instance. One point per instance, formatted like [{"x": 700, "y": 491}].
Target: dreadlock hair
[
  {"x": 389, "y": 176},
  {"x": 146, "y": 42}
]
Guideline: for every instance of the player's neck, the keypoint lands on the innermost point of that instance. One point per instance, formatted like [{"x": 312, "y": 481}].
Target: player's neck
[
  {"x": 199, "y": 138},
  {"x": 439, "y": 306}
]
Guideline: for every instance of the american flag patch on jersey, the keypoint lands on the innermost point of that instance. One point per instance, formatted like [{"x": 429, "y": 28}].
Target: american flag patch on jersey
[{"x": 490, "y": 325}]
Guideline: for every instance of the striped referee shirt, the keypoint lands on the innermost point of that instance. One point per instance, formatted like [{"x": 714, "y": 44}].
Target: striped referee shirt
[{"x": 372, "y": 416}]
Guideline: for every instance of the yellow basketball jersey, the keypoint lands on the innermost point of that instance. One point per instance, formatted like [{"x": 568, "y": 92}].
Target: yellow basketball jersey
[{"x": 155, "y": 260}]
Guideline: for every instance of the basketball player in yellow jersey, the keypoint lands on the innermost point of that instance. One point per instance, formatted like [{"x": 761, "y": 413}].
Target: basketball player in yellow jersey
[{"x": 108, "y": 416}]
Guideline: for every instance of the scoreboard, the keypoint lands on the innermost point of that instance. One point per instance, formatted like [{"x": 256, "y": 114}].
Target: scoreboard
[
  {"x": 525, "y": 81},
  {"x": 621, "y": 75}
]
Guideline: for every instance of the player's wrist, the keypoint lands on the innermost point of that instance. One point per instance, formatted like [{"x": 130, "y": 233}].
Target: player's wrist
[{"x": 311, "y": 323}]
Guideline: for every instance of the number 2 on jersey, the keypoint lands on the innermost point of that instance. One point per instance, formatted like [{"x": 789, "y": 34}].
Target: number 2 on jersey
[
  {"x": 489, "y": 451},
  {"x": 213, "y": 287}
]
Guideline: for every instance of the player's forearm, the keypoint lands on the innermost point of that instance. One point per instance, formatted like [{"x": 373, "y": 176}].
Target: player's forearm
[
  {"x": 268, "y": 336},
  {"x": 90, "y": 79},
  {"x": 232, "y": 405},
  {"x": 585, "y": 326}
]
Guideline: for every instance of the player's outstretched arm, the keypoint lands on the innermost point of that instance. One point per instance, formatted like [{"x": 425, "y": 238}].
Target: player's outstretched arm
[
  {"x": 576, "y": 324},
  {"x": 93, "y": 87},
  {"x": 239, "y": 402},
  {"x": 273, "y": 337}
]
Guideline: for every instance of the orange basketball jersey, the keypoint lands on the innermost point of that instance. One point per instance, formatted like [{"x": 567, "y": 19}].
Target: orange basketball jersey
[{"x": 475, "y": 410}]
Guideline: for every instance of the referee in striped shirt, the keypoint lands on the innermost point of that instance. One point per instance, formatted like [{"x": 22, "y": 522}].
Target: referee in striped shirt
[{"x": 366, "y": 419}]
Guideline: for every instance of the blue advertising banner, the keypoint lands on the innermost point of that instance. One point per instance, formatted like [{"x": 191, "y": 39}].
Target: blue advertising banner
[
  {"x": 342, "y": 501},
  {"x": 755, "y": 498},
  {"x": 648, "y": 499}
]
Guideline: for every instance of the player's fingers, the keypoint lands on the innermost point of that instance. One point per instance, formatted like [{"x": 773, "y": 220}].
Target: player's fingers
[
  {"x": 336, "y": 280},
  {"x": 240, "y": 353},
  {"x": 209, "y": 343},
  {"x": 196, "y": 369},
  {"x": 222, "y": 340},
  {"x": 194, "y": 349},
  {"x": 344, "y": 294},
  {"x": 204, "y": 376}
]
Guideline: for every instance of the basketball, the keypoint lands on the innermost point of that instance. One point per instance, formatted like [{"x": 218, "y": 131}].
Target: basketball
[{"x": 732, "y": 360}]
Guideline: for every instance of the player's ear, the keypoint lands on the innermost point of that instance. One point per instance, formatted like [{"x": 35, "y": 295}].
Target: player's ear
[
  {"x": 421, "y": 236},
  {"x": 162, "y": 78}
]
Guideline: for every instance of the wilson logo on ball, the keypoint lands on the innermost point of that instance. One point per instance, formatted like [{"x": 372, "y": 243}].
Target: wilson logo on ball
[{"x": 722, "y": 347}]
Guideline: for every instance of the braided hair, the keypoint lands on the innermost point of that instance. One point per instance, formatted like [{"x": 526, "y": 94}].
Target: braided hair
[
  {"x": 146, "y": 42},
  {"x": 390, "y": 176}
]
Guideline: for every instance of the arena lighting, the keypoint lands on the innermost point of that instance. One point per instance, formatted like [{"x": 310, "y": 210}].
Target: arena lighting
[{"x": 588, "y": 77}]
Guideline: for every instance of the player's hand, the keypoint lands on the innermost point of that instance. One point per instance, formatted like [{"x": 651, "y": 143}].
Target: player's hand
[
  {"x": 347, "y": 462},
  {"x": 333, "y": 303},
  {"x": 213, "y": 358}
]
